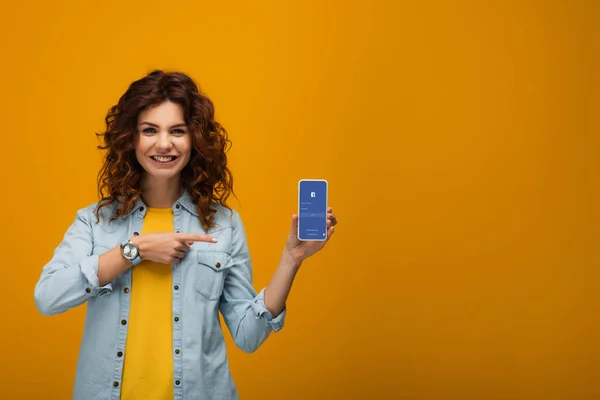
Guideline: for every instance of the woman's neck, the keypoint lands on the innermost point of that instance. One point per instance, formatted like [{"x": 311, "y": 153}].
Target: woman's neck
[{"x": 161, "y": 193}]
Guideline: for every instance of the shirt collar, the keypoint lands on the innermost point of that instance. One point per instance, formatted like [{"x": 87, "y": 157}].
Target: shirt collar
[{"x": 185, "y": 201}]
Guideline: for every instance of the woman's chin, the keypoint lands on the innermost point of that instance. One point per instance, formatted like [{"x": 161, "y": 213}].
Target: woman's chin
[{"x": 162, "y": 174}]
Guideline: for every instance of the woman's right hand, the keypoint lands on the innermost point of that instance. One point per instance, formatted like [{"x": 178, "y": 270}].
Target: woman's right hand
[{"x": 168, "y": 247}]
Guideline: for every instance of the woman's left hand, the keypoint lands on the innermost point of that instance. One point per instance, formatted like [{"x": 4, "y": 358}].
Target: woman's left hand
[{"x": 300, "y": 250}]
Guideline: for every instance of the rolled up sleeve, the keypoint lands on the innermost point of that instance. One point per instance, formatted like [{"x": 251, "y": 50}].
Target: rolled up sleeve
[
  {"x": 260, "y": 310},
  {"x": 70, "y": 278}
]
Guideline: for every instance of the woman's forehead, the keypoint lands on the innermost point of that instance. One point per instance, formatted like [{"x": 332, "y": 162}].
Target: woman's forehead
[{"x": 163, "y": 114}]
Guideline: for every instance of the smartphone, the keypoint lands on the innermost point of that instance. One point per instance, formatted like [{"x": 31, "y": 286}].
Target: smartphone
[{"x": 312, "y": 209}]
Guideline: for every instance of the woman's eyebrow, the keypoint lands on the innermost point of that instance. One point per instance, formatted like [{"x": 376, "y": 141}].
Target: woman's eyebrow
[{"x": 156, "y": 126}]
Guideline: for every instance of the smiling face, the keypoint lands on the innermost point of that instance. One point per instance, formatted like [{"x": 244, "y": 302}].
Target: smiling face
[{"x": 164, "y": 143}]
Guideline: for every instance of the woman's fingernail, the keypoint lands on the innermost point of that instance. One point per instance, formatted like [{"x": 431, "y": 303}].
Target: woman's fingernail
[{"x": 214, "y": 240}]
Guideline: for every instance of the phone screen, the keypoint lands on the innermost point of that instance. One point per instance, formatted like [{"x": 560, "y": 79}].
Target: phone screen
[{"x": 312, "y": 209}]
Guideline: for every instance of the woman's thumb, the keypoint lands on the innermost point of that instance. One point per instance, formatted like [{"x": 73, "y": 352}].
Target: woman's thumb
[{"x": 294, "y": 229}]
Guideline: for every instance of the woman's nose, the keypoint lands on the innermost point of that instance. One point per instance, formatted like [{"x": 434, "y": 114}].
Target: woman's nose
[{"x": 164, "y": 142}]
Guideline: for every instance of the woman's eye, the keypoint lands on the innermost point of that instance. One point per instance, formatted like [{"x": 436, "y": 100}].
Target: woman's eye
[
  {"x": 149, "y": 130},
  {"x": 178, "y": 131}
]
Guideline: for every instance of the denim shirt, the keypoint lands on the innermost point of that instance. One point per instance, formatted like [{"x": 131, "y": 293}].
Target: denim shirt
[{"x": 212, "y": 277}]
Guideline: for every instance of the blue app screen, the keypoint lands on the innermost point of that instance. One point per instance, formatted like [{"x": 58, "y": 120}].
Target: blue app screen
[{"x": 312, "y": 224}]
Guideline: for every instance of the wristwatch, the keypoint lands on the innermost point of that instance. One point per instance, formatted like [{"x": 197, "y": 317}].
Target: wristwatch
[{"x": 131, "y": 252}]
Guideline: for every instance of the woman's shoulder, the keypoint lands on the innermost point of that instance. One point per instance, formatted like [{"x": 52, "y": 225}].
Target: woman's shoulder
[
  {"x": 225, "y": 216},
  {"x": 222, "y": 210},
  {"x": 95, "y": 215},
  {"x": 86, "y": 211},
  {"x": 106, "y": 211}
]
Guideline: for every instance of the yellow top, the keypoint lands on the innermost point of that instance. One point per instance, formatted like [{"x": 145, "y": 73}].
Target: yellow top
[{"x": 148, "y": 368}]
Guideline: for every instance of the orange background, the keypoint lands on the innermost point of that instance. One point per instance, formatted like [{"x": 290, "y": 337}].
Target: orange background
[{"x": 460, "y": 142}]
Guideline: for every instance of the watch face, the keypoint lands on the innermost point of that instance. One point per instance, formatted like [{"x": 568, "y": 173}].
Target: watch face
[{"x": 130, "y": 251}]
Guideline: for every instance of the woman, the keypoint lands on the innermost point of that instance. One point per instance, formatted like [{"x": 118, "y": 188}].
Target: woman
[{"x": 161, "y": 254}]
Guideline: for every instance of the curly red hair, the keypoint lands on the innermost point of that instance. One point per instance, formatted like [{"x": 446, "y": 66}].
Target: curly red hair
[{"x": 206, "y": 177}]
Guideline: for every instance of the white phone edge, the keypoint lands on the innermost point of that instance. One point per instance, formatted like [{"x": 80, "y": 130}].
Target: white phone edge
[{"x": 326, "y": 205}]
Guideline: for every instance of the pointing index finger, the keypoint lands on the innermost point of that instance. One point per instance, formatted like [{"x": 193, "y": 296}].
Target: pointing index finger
[{"x": 196, "y": 237}]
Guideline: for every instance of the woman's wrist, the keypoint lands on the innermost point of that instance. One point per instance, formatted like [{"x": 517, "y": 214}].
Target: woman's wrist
[{"x": 288, "y": 261}]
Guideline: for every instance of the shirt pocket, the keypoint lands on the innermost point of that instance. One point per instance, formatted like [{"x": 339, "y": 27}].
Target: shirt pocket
[{"x": 210, "y": 274}]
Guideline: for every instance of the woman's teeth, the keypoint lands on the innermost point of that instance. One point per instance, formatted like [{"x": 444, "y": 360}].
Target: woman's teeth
[{"x": 163, "y": 159}]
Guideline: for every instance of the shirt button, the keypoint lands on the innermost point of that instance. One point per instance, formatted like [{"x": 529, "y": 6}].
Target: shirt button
[
  {"x": 126, "y": 290},
  {"x": 177, "y": 351},
  {"x": 176, "y": 319},
  {"x": 120, "y": 354},
  {"x": 176, "y": 287},
  {"x": 177, "y": 207},
  {"x": 88, "y": 290},
  {"x": 177, "y": 382},
  {"x": 218, "y": 265},
  {"x": 116, "y": 384},
  {"x": 141, "y": 209},
  {"x": 123, "y": 322},
  {"x": 136, "y": 234}
]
